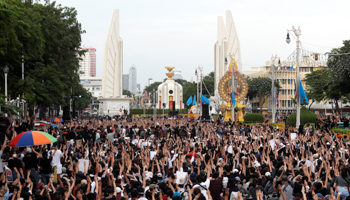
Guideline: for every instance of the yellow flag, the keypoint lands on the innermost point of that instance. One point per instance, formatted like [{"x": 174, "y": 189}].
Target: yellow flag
[
  {"x": 132, "y": 97},
  {"x": 235, "y": 64},
  {"x": 230, "y": 68},
  {"x": 279, "y": 68}
]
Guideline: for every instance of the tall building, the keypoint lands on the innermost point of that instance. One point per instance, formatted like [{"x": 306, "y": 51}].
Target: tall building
[
  {"x": 87, "y": 64},
  {"x": 93, "y": 85},
  {"x": 112, "y": 85},
  {"x": 177, "y": 75},
  {"x": 150, "y": 81},
  {"x": 285, "y": 74},
  {"x": 227, "y": 47},
  {"x": 133, "y": 79},
  {"x": 138, "y": 88},
  {"x": 125, "y": 81}
]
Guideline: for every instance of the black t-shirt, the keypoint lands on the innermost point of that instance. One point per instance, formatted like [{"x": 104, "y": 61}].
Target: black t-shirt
[
  {"x": 112, "y": 198},
  {"x": 4, "y": 124},
  {"x": 45, "y": 165},
  {"x": 15, "y": 162},
  {"x": 31, "y": 162}
]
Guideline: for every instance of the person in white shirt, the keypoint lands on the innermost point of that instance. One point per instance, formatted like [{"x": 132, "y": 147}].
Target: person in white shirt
[{"x": 56, "y": 160}]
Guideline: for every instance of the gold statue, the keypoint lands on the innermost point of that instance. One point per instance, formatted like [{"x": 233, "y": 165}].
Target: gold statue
[{"x": 170, "y": 74}]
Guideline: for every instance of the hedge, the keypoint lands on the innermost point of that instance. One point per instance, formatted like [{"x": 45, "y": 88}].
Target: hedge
[
  {"x": 340, "y": 130},
  {"x": 253, "y": 118},
  {"x": 158, "y": 111},
  {"x": 306, "y": 117}
]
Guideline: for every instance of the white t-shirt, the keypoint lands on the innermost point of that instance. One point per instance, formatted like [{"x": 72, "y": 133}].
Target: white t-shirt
[{"x": 56, "y": 160}]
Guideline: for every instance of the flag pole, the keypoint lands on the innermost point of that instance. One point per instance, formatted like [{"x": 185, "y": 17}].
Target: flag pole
[{"x": 232, "y": 96}]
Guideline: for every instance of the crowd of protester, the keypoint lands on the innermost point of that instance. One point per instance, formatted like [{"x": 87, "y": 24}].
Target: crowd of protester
[{"x": 175, "y": 159}]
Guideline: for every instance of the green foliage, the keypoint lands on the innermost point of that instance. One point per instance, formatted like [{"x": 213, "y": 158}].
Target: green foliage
[
  {"x": 158, "y": 111},
  {"x": 260, "y": 87},
  {"x": 342, "y": 131},
  {"x": 48, "y": 36},
  {"x": 208, "y": 80},
  {"x": 253, "y": 118},
  {"x": 323, "y": 86},
  {"x": 153, "y": 86},
  {"x": 190, "y": 89},
  {"x": 127, "y": 93},
  {"x": 306, "y": 117}
]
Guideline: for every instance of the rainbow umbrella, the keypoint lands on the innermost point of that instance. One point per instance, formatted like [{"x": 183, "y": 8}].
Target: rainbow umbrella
[
  {"x": 56, "y": 119},
  {"x": 32, "y": 138}
]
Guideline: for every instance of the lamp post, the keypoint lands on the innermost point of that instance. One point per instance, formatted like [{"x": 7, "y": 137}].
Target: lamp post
[
  {"x": 200, "y": 96},
  {"x": 233, "y": 90},
  {"x": 197, "y": 110},
  {"x": 6, "y": 71},
  {"x": 273, "y": 58},
  {"x": 297, "y": 33}
]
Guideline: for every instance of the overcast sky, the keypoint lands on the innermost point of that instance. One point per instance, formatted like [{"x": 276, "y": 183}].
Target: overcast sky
[{"x": 182, "y": 33}]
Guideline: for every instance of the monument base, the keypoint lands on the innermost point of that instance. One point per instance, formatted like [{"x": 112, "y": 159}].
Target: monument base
[{"x": 112, "y": 106}]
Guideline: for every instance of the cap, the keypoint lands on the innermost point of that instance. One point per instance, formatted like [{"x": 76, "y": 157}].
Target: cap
[
  {"x": 153, "y": 186},
  {"x": 319, "y": 195},
  {"x": 149, "y": 174},
  {"x": 177, "y": 194},
  {"x": 238, "y": 179},
  {"x": 119, "y": 190},
  {"x": 64, "y": 170},
  {"x": 268, "y": 174},
  {"x": 181, "y": 180},
  {"x": 235, "y": 170},
  {"x": 284, "y": 178},
  {"x": 83, "y": 182},
  {"x": 140, "y": 190},
  {"x": 193, "y": 176}
]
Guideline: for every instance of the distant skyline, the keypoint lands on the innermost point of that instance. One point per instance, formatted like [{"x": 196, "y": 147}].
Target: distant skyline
[{"x": 182, "y": 34}]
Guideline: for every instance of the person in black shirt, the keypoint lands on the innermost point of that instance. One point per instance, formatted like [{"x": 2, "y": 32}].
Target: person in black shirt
[
  {"x": 13, "y": 163},
  {"x": 45, "y": 167},
  {"x": 4, "y": 127}
]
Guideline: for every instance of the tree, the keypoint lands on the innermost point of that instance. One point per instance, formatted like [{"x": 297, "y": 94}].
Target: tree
[
  {"x": 153, "y": 86},
  {"x": 182, "y": 82},
  {"x": 208, "y": 80},
  {"x": 323, "y": 86},
  {"x": 190, "y": 89},
  {"x": 48, "y": 36},
  {"x": 127, "y": 93},
  {"x": 339, "y": 64},
  {"x": 260, "y": 87}
]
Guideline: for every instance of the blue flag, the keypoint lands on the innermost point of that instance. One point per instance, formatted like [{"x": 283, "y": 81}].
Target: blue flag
[
  {"x": 233, "y": 98},
  {"x": 204, "y": 99},
  {"x": 189, "y": 101},
  {"x": 194, "y": 100},
  {"x": 137, "y": 106},
  {"x": 302, "y": 94}
]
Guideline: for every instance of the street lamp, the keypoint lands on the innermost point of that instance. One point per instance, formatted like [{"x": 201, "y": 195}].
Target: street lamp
[
  {"x": 288, "y": 39},
  {"x": 197, "y": 111},
  {"x": 6, "y": 71},
  {"x": 273, "y": 59},
  {"x": 297, "y": 33}
]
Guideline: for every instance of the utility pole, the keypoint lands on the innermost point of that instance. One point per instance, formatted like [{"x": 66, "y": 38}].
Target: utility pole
[
  {"x": 197, "y": 110},
  {"x": 233, "y": 90},
  {"x": 273, "y": 58},
  {"x": 200, "y": 96},
  {"x": 297, "y": 33}
]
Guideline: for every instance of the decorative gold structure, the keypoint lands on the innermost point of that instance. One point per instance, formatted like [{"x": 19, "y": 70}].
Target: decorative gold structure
[
  {"x": 170, "y": 74},
  {"x": 225, "y": 87},
  {"x": 145, "y": 101},
  {"x": 225, "y": 92}
]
